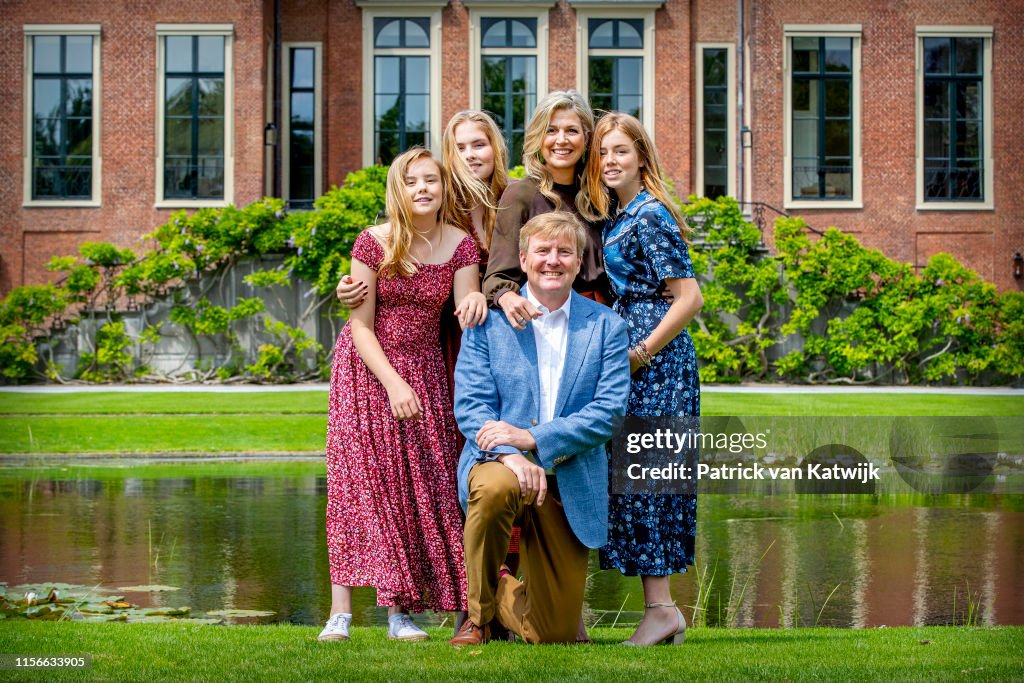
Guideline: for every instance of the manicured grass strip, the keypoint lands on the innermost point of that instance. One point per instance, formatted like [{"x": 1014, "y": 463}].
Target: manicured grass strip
[
  {"x": 163, "y": 434},
  {"x": 123, "y": 402},
  {"x": 315, "y": 401},
  {"x": 860, "y": 404},
  {"x": 178, "y": 652},
  {"x": 116, "y": 470}
]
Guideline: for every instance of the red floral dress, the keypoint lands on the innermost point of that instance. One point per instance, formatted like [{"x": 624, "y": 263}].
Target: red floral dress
[{"x": 393, "y": 518}]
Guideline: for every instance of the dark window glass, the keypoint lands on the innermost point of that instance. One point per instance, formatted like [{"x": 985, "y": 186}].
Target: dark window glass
[
  {"x": 616, "y": 84},
  {"x": 616, "y": 33},
  {"x": 508, "y": 32},
  {"x": 302, "y": 190},
  {"x": 953, "y": 119},
  {"x": 401, "y": 104},
  {"x": 62, "y": 122},
  {"x": 716, "y": 130},
  {"x": 194, "y": 117},
  {"x": 400, "y": 32},
  {"x": 822, "y": 118}
]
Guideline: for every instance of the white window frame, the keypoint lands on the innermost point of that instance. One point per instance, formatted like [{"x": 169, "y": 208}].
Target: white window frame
[
  {"x": 430, "y": 9},
  {"x": 853, "y": 31},
  {"x": 30, "y": 31},
  {"x": 730, "y": 62},
  {"x": 585, "y": 11},
  {"x": 286, "y": 110},
  {"x": 984, "y": 32},
  {"x": 228, "y": 32}
]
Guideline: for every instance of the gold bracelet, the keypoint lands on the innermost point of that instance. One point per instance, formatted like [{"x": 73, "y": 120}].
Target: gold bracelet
[{"x": 643, "y": 356}]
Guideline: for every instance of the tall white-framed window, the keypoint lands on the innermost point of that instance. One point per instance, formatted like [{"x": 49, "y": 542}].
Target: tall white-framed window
[
  {"x": 615, "y": 57},
  {"x": 195, "y": 105},
  {"x": 401, "y": 78},
  {"x": 716, "y": 120},
  {"x": 301, "y": 112},
  {"x": 821, "y": 92},
  {"x": 508, "y": 64},
  {"x": 954, "y": 118},
  {"x": 62, "y": 160}
]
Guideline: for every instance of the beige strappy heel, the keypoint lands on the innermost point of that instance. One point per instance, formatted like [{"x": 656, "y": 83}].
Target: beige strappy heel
[{"x": 676, "y": 638}]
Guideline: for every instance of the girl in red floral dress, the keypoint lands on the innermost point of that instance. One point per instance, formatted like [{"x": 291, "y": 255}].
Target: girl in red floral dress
[{"x": 393, "y": 519}]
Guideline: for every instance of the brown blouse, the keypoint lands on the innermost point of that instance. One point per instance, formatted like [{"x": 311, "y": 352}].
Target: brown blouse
[{"x": 520, "y": 202}]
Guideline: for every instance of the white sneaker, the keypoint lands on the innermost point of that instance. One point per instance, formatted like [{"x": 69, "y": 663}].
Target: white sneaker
[
  {"x": 336, "y": 628},
  {"x": 402, "y": 627}
]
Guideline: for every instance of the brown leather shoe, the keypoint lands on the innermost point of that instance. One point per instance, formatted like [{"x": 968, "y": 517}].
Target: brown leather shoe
[{"x": 471, "y": 634}]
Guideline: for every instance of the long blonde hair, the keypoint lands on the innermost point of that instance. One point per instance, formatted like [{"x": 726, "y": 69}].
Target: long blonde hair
[
  {"x": 468, "y": 191},
  {"x": 594, "y": 199},
  {"x": 537, "y": 129},
  {"x": 398, "y": 241}
]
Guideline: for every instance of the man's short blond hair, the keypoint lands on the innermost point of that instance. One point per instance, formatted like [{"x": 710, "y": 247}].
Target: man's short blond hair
[{"x": 554, "y": 225}]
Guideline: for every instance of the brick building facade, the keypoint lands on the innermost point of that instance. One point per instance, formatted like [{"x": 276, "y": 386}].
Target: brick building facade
[{"x": 898, "y": 124}]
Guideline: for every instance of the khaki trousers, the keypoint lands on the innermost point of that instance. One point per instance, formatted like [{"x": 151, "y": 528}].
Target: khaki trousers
[{"x": 545, "y": 606}]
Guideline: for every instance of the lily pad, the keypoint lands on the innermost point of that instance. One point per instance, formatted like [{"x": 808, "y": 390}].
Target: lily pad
[
  {"x": 240, "y": 613},
  {"x": 167, "y": 612},
  {"x": 149, "y": 589}
]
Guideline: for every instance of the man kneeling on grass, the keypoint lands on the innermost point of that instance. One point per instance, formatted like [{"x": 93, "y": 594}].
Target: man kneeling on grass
[{"x": 535, "y": 401}]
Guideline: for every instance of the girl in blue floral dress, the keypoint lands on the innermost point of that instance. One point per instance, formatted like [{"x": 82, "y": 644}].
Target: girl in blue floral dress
[{"x": 649, "y": 535}]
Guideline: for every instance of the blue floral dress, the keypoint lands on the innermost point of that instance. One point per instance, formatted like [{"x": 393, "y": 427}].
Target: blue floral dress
[{"x": 650, "y": 534}]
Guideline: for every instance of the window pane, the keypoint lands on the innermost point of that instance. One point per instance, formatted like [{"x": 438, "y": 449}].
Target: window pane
[
  {"x": 47, "y": 135},
  {"x": 838, "y": 55},
  {"x": 494, "y": 74},
  {"x": 715, "y": 179},
  {"x": 936, "y": 180},
  {"x": 714, "y": 116},
  {"x": 631, "y": 33},
  {"x": 46, "y": 97},
  {"x": 210, "y": 180},
  {"x": 601, "y": 102},
  {"x": 78, "y": 54},
  {"x": 968, "y": 100},
  {"x": 179, "y": 97},
  {"x": 968, "y": 140},
  {"x": 387, "y": 147},
  {"x": 495, "y": 33},
  {"x": 805, "y": 138},
  {"x": 46, "y": 54},
  {"x": 211, "y": 97},
  {"x": 211, "y": 54},
  {"x": 301, "y": 109},
  {"x": 714, "y": 148},
  {"x": 515, "y": 149},
  {"x": 177, "y": 177},
  {"x": 495, "y": 106},
  {"x": 179, "y": 137},
  {"x": 838, "y": 182},
  {"x": 524, "y": 74},
  {"x": 600, "y": 75},
  {"x": 417, "y": 75},
  {"x": 629, "y": 75},
  {"x": 837, "y": 138},
  {"x": 387, "y": 32},
  {"x": 387, "y": 112},
  {"x": 629, "y": 104},
  {"x": 416, "y": 117},
  {"x": 936, "y": 139},
  {"x": 80, "y": 137},
  {"x": 302, "y": 68},
  {"x": 805, "y": 177},
  {"x": 936, "y": 55},
  {"x": 79, "y": 97},
  {"x": 837, "y": 98},
  {"x": 805, "y": 55},
  {"x": 211, "y": 137},
  {"x": 386, "y": 79},
  {"x": 178, "y": 53},
  {"x": 416, "y": 33},
  {"x": 523, "y": 32},
  {"x": 522, "y": 107},
  {"x": 936, "y": 99},
  {"x": 601, "y": 33},
  {"x": 967, "y": 181},
  {"x": 715, "y": 66},
  {"x": 968, "y": 56}
]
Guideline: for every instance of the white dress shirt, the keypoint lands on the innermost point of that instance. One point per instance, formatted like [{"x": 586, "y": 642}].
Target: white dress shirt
[{"x": 551, "y": 333}]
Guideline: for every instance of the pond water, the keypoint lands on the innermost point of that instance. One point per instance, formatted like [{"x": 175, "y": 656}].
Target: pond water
[{"x": 236, "y": 542}]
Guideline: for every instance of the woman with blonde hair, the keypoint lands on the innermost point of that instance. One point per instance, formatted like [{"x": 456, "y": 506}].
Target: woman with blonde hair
[
  {"x": 554, "y": 150},
  {"x": 645, "y": 251},
  {"x": 393, "y": 520}
]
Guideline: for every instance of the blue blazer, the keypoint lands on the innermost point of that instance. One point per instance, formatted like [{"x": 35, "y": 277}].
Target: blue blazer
[{"x": 496, "y": 378}]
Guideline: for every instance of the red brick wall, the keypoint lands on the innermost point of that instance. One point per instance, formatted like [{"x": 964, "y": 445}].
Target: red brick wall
[
  {"x": 30, "y": 236},
  {"x": 983, "y": 240}
]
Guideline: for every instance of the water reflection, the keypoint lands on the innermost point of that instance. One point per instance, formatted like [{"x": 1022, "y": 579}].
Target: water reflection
[{"x": 259, "y": 543}]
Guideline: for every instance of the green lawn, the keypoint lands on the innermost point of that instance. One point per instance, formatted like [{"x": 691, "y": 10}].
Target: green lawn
[
  {"x": 192, "y": 652},
  {"x": 294, "y": 422}
]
